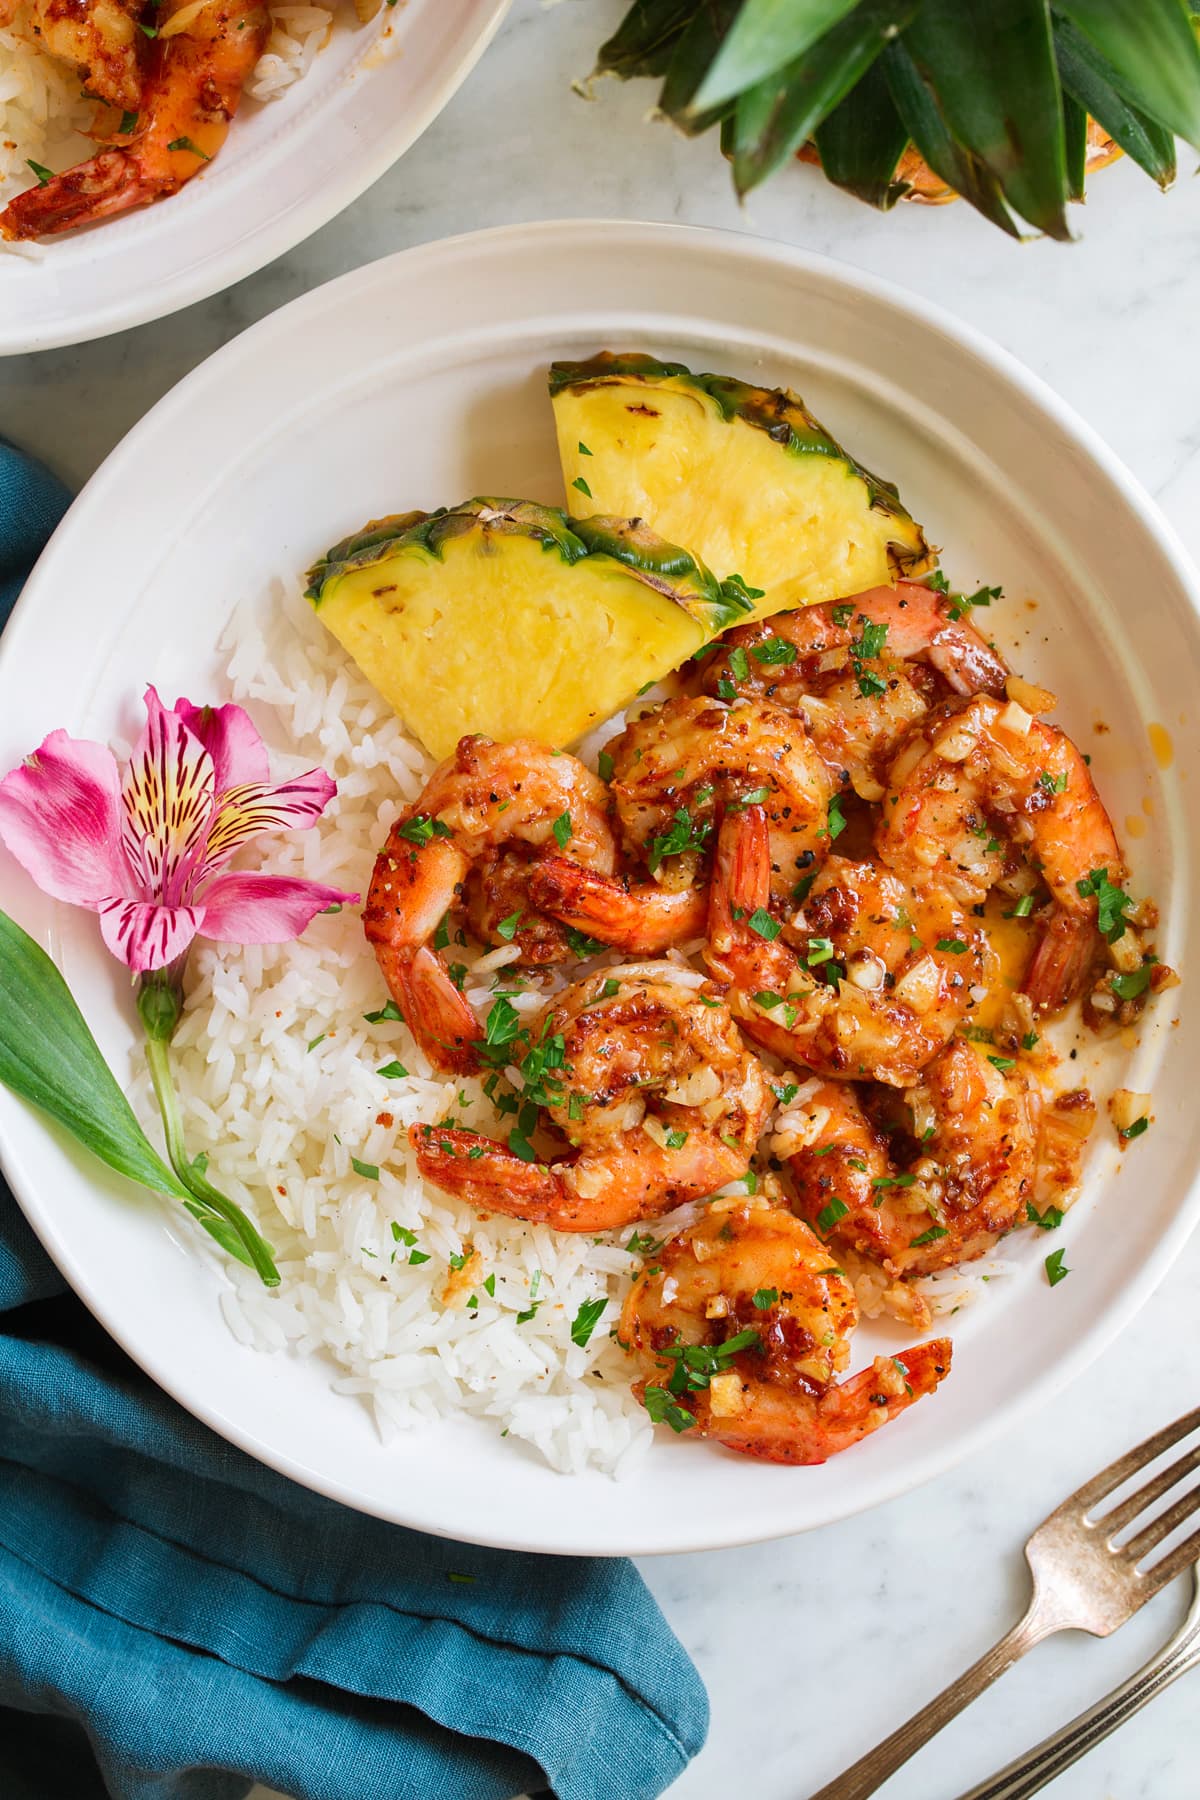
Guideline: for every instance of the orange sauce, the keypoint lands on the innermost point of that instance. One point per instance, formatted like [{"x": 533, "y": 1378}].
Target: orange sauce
[
  {"x": 1013, "y": 942},
  {"x": 1161, "y": 745}
]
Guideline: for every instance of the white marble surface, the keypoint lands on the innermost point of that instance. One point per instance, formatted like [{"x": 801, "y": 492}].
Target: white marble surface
[{"x": 815, "y": 1647}]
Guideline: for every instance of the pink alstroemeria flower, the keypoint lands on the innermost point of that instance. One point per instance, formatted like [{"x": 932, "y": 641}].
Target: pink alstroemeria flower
[{"x": 148, "y": 853}]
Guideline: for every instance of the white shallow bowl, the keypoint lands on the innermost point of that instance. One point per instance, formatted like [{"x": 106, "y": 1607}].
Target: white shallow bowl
[
  {"x": 421, "y": 380},
  {"x": 287, "y": 167}
]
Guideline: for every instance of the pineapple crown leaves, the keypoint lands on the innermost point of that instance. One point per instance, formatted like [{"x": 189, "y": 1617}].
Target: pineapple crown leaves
[{"x": 995, "y": 95}]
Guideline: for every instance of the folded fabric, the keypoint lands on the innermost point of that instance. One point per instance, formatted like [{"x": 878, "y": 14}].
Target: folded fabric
[{"x": 177, "y": 1621}]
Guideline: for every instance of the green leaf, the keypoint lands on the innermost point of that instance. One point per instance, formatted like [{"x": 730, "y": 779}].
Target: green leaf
[
  {"x": 646, "y": 38},
  {"x": 862, "y": 140},
  {"x": 690, "y": 64},
  {"x": 774, "y": 118},
  {"x": 1152, "y": 52},
  {"x": 50, "y": 1058},
  {"x": 976, "y": 83},
  {"x": 766, "y": 35},
  {"x": 1091, "y": 83},
  {"x": 1075, "y": 127}
]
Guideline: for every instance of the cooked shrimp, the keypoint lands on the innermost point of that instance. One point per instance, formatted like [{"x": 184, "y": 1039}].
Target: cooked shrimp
[
  {"x": 984, "y": 793},
  {"x": 860, "y": 672},
  {"x": 654, "y": 1091},
  {"x": 482, "y": 808},
  {"x": 636, "y": 916},
  {"x": 884, "y": 975},
  {"x": 743, "y": 1324},
  {"x": 923, "y": 1180},
  {"x": 200, "y": 61},
  {"x": 674, "y": 767},
  {"x": 99, "y": 38}
]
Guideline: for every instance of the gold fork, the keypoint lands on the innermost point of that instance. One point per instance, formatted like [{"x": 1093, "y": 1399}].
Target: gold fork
[{"x": 1082, "y": 1581}]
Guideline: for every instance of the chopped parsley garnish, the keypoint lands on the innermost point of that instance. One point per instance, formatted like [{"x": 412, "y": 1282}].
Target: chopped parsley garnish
[
  {"x": 1056, "y": 1269},
  {"x": 739, "y": 664},
  {"x": 1003, "y": 1063},
  {"x": 420, "y": 829},
  {"x": 803, "y": 888},
  {"x": 836, "y": 817},
  {"x": 128, "y": 124},
  {"x": 1112, "y": 903},
  {"x": 582, "y": 486},
  {"x": 755, "y": 797},
  {"x": 928, "y": 1237},
  {"x": 575, "y": 1107},
  {"x": 642, "y": 1244},
  {"x": 726, "y": 689},
  {"x": 586, "y": 1320},
  {"x": 43, "y": 174},
  {"x": 489, "y": 1286},
  {"x": 1030, "y": 1040},
  {"x": 604, "y": 764},
  {"x": 842, "y": 615},
  {"x": 535, "y": 1281},
  {"x": 1135, "y": 1130},
  {"x": 761, "y": 922},
  {"x": 683, "y": 833},
  {"x": 676, "y": 1140},
  {"x": 774, "y": 650},
  {"x": 611, "y": 986},
  {"x": 507, "y": 928},
  {"x": 416, "y": 1257},
  {"x": 401, "y": 1234},
  {"x": 583, "y": 449},
  {"x": 1022, "y": 909},
  {"x": 1049, "y": 1220},
  {"x": 392, "y": 1071},
  {"x": 870, "y": 640},
  {"x": 368, "y": 1171},
  {"x": 1134, "y": 982},
  {"x": 664, "y": 1409},
  {"x": 313, "y": 1042},
  {"x": 1052, "y": 784},
  {"x": 562, "y": 830},
  {"x": 829, "y": 1215},
  {"x": 459, "y": 1262},
  {"x": 887, "y": 1181},
  {"x": 766, "y": 999},
  {"x": 820, "y": 949},
  {"x": 696, "y": 1364},
  {"x": 787, "y": 1093},
  {"x": 502, "y": 1026},
  {"x": 954, "y": 946},
  {"x": 962, "y": 603},
  {"x": 441, "y": 936},
  {"x": 185, "y": 143},
  {"x": 581, "y": 945},
  {"x": 765, "y": 1298}
]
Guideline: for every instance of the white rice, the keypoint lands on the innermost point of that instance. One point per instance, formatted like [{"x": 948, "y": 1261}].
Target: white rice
[
  {"x": 276, "y": 1067},
  {"x": 42, "y": 115}
]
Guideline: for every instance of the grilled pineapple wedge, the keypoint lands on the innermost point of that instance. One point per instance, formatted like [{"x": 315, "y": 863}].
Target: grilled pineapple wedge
[
  {"x": 745, "y": 476},
  {"x": 504, "y": 617}
]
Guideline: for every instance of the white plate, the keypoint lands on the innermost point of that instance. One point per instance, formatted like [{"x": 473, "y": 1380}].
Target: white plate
[
  {"x": 288, "y": 166},
  {"x": 420, "y": 380}
]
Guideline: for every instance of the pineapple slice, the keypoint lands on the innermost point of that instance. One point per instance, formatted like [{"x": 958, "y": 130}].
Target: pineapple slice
[
  {"x": 745, "y": 476},
  {"x": 500, "y": 616}
]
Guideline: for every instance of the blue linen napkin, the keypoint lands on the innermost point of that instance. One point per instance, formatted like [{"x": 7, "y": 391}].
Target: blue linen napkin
[{"x": 177, "y": 1621}]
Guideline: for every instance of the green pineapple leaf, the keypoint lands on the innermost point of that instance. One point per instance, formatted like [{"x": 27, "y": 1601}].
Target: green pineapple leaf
[
  {"x": 961, "y": 168},
  {"x": 691, "y": 60},
  {"x": 766, "y": 37},
  {"x": 1075, "y": 126},
  {"x": 990, "y": 83},
  {"x": 1152, "y": 49},
  {"x": 862, "y": 140},
  {"x": 1089, "y": 80},
  {"x": 645, "y": 40},
  {"x": 773, "y": 119}
]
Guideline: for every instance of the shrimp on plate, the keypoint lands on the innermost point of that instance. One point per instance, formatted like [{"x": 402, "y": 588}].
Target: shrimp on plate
[
  {"x": 484, "y": 813},
  {"x": 671, "y": 771},
  {"x": 982, "y": 795},
  {"x": 742, "y": 1324},
  {"x": 653, "y": 1090},
  {"x": 860, "y": 672},
  {"x": 101, "y": 39},
  {"x": 201, "y": 56},
  {"x": 882, "y": 975}
]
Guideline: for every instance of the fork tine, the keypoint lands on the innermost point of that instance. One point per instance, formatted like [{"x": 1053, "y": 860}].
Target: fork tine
[
  {"x": 1107, "y": 1480},
  {"x": 1123, "y": 1515},
  {"x": 1163, "y": 1526},
  {"x": 1173, "y": 1563}
]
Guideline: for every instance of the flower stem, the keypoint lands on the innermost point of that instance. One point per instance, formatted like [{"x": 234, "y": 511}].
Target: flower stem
[{"x": 221, "y": 1217}]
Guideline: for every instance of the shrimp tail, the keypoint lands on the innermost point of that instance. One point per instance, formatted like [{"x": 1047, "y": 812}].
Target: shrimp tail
[
  {"x": 1062, "y": 961},
  {"x": 110, "y": 182},
  {"x": 639, "y": 917},
  {"x": 434, "y": 1010},
  {"x": 486, "y": 1174},
  {"x": 845, "y": 1414},
  {"x": 741, "y": 882}
]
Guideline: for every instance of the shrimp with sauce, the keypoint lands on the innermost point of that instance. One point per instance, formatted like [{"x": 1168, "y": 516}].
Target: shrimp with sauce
[
  {"x": 934, "y": 1176},
  {"x": 884, "y": 974},
  {"x": 983, "y": 794},
  {"x": 483, "y": 813},
  {"x": 100, "y": 39},
  {"x": 860, "y": 672},
  {"x": 742, "y": 1325},
  {"x": 202, "y": 55},
  {"x": 652, "y": 1088}
]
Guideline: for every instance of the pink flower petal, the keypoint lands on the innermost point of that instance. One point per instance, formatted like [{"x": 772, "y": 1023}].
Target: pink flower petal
[
  {"x": 168, "y": 798},
  {"x": 252, "y": 908},
  {"x": 144, "y": 935},
  {"x": 246, "y": 812},
  {"x": 229, "y": 735},
  {"x": 60, "y": 816}
]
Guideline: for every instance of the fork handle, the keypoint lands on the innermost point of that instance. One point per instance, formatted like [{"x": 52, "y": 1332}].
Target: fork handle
[
  {"x": 871, "y": 1771},
  {"x": 1028, "y": 1774}
]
